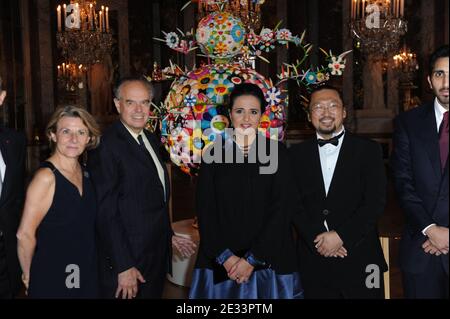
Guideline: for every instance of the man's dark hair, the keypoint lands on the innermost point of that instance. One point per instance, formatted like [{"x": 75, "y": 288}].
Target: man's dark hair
[
  {"x": 125, "y": 80},
  {"x": 0, "y": 83},
  {"x": 326, "y": 87},
  {"x": 248, "y": 89},
  {"x": 441, "y": 52}
]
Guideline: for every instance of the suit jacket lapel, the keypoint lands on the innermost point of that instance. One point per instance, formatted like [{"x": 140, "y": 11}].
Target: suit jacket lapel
[
  {"x": 163, "y": 164},
  {"x": 317, "y": 167},
  {"x": 430, "y": 139},
  {"x": 135, "y": 148},
  {"x": 4, "y": 150},
  {"x": 344, "y": 160}
]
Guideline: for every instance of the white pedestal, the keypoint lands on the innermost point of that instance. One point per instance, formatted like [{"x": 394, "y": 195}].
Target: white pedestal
[{"x": 182, "y": 267}]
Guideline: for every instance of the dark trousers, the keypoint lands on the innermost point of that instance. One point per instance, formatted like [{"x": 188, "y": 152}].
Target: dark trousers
[
  {"x": 431, "y": 284},
  {"x": 5, "y": 285}
]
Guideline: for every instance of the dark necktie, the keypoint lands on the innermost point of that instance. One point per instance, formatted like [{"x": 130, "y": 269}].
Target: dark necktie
[
  {"x": 443, "y": 140},
  {"x": 144, "y": 149},
  {"x": 334, "y": 140}
]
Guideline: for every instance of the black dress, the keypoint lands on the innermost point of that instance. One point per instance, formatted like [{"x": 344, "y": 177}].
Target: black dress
[
  {"x": 245, "y": 212},
  {"x": 64, "y": 264}
]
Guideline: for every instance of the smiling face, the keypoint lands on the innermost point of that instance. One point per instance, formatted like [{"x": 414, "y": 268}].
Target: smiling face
[
  {"x": 133, "y": 105},
  {"x": 71, "y": 137},
  {"x": 439, "y": 81},
  {"x": 245, "y": 114},
  {"x": 327, "y": 112}
]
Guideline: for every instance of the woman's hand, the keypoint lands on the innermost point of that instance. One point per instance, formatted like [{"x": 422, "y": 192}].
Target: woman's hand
[
  {"x": 26, "y": 282},
  {"x": 229, "y": 263},
  {"x": 241, "y": 271}
]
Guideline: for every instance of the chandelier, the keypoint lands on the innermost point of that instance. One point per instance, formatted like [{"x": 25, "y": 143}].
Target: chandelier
[
  {"x": 84, "y": 36},
  {"x": 71, "y": 76},
  {"x": 378, "y": 25},
  {"x": 406, "y": 64},
  {"x": 249, "y": 11}
]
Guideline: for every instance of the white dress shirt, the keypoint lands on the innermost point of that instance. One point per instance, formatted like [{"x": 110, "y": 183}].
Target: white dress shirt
[
  {"x": 2, "y": 172},
  {"x": 150, "y": 149},
  {"x": 328, "y": 158},
  {"x": 439, "y": 111}
]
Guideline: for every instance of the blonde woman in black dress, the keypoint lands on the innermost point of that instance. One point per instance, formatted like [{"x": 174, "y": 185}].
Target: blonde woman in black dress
[{"x": 56, "y": 237}]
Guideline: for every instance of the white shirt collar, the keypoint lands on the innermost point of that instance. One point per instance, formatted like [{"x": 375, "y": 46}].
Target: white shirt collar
[
  {"x": 439, "y": 111},
  {"x": 135, "y": 135}
]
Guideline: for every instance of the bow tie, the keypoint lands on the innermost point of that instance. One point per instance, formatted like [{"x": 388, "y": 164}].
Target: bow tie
[{"x": 334, "y": 140}]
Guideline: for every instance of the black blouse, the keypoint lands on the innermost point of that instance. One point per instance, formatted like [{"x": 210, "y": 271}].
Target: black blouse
[{"x": 244, "y": 210}]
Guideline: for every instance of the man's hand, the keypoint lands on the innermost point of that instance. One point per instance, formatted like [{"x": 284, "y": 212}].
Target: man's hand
[
  {"x": 438, "y": 236},
  {"x": 429, "y": 248},
  {"x": 185, "y": 246},
  {"x": 342, "y": 252},
  {"x": 328, "y": 244},
  {"x": 128, "y": 283},
  {"x": 241, "y": 271}
]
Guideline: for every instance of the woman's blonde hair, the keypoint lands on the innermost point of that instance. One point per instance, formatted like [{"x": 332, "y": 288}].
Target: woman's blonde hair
[{"x": 77, "y": 112}]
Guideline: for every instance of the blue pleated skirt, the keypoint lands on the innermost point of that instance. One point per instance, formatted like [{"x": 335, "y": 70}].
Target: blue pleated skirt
[{"x": 263, "y": 284}]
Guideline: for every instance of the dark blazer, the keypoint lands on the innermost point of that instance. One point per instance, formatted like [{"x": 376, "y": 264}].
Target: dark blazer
[
  {"x": 13, "y": 149},
  {"x": 355, "y": 201},
  {"x": 133, "y": 219},
  {"x": 421, "y": 185}
]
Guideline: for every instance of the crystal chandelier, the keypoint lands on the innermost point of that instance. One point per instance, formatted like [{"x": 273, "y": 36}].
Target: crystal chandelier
[
  {"x": 71, "y": 76},
  {"x": 249, "y": 11},
  {"x": 83, "y": 36},
  {"x": 406, "y": 64},
  {"x": 378, "y": 25}
]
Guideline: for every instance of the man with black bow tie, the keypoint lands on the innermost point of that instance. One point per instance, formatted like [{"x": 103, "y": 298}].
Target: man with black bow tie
[
  {"x": 12, "y": 193},
  {"x": 342, "y": 184}
]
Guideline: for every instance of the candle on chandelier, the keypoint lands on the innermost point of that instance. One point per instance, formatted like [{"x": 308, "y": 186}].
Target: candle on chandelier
[
  {"x": 101, "y": 20},
  {"x": 357, "y": 9},
  {"x": 363, "y": 8},
  {"x": 64, "y": 15},
  {"x": 354, "y": 4},
  {"x": 402, "y": 8},
  {"x": 91, "y": 17},
  {"x": 103, "y": 17},
  {"x": 58, "y": 10},
  {"x": 107, "y": 19}
]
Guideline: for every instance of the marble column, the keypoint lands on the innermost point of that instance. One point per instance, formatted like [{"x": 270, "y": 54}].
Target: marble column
[{"x": 375, "y": 118}]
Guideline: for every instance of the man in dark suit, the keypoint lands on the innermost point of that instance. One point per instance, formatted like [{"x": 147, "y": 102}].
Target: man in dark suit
[
  {"x": 132, "y": 185},
  {"x": 341, "y": 181},
  {"x": 420, "y": 167},
  {"x": 12, "y": 188}
]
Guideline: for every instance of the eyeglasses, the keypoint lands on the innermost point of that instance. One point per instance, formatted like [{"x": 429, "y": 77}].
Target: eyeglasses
[
  {"x": 131, "y": 103},
  {"x": 320, "y": 108}
]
